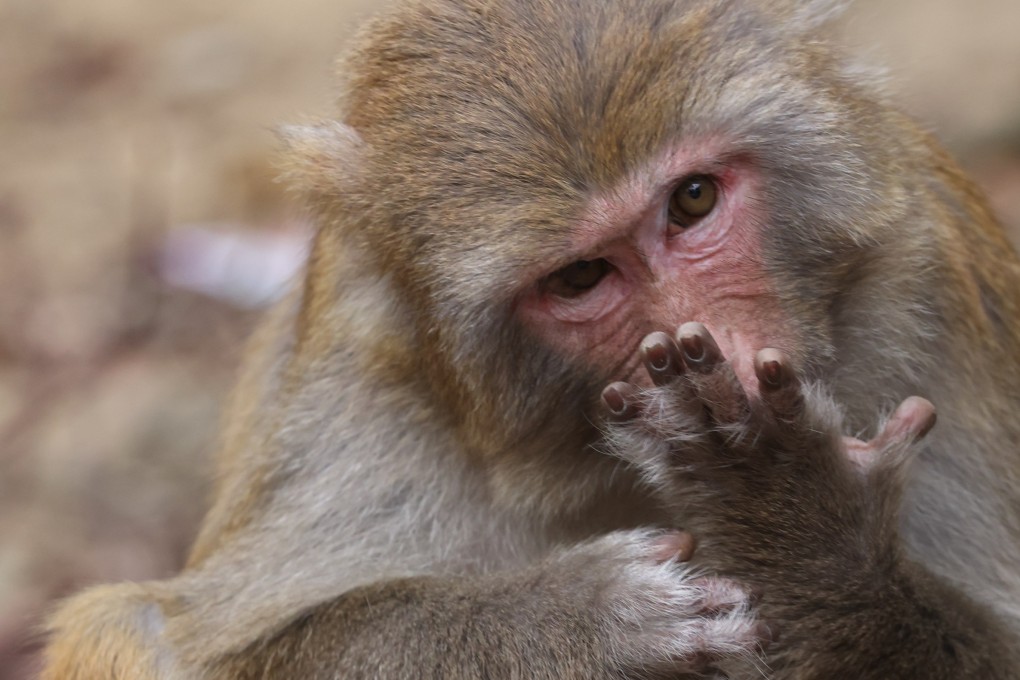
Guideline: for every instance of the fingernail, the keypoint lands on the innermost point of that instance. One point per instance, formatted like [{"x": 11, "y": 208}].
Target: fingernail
[
  {"x": 694, "y": 348},
  {"x": 772, "y": 371},
  {"x": 686, "y": 545},
  {"x": 658, "y": 356},
  {"x": 614, "y": 400}
]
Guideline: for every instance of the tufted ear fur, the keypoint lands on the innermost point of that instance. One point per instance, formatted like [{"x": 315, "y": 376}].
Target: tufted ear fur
[
  {"x": 320, "y": 158},
  {"x": 812, "y": 14}
]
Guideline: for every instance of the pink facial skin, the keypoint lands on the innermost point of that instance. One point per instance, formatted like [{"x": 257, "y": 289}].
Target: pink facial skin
[{"x": 663, "y": 275}]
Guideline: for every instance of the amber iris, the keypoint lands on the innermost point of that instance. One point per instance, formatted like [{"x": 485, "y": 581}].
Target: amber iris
[{"x": 693, "y": 199}]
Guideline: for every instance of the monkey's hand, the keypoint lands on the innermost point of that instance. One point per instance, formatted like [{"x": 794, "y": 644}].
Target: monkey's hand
[
  {"x": 766, "y": 479},
  {"x": 652, "y": 613},
  {"x": 781, "y": 500}
]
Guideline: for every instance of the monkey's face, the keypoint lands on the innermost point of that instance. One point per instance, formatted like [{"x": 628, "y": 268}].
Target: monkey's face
[
  {"x": 549, "y": 184},
  {"x": 680, "y": 240}
]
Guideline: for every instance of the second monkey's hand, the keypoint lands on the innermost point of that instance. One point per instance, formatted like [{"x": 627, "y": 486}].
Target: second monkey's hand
[{"x": 782, "y": 501}]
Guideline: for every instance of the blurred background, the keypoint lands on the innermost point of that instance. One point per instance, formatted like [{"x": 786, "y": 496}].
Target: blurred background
[{"x": 141, "y": 230}]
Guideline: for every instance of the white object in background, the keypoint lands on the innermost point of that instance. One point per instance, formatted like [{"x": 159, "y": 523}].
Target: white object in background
[{"x": 242, "y": 267}]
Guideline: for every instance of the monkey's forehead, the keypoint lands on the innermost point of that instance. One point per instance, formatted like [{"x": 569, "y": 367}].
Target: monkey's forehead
[
  {"x": 496, "y": 121},
  {"x": 553, "y": 94}
]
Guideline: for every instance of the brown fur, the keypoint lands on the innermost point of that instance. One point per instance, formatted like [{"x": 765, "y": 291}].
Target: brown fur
[
  {"x": 408, "y": 486},
  {"x": 782, "y": 506}
]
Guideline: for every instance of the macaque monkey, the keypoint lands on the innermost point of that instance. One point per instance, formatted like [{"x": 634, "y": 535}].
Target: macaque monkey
[{"x": 703, "y": 205}]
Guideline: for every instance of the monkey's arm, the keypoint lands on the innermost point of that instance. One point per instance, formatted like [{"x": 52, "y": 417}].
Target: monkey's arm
[
  {"x": 896, "y": 622},
  {"x": 621, "y": 606},
  {"x": 579, "y": 616},
  {"x": 781, "y": 500}
]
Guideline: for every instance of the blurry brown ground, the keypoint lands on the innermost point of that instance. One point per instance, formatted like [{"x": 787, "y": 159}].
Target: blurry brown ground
[{"x": 123, "y": 121}]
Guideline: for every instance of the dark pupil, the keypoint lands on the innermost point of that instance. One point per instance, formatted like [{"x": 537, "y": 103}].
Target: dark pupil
[
  {"x": 694, "y": 190},
  {"x": 584, "y": 273}
]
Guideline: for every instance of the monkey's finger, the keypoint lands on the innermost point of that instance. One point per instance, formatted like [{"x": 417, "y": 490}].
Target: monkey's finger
[
  {"x": 711, "y": 376},
  {"x": 720, "y": 596},
  {"x": 909, "y": 423},
  {"x": 676, "y": 545},
  {"x": 780, "y": 388},
  {"x": 620, "y": 401},
  {"x": 661, "y": 358}
]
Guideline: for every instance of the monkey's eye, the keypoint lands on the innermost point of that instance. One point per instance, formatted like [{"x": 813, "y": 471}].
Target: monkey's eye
[
  {"x": 694, "y": 198},
  {"x": 576, "y": 278}
]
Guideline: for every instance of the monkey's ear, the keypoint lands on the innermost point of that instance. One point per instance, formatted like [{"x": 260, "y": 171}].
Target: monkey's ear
[
  {"x": 320, "y": 158},
  {"x": 812, "y": 14}
]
